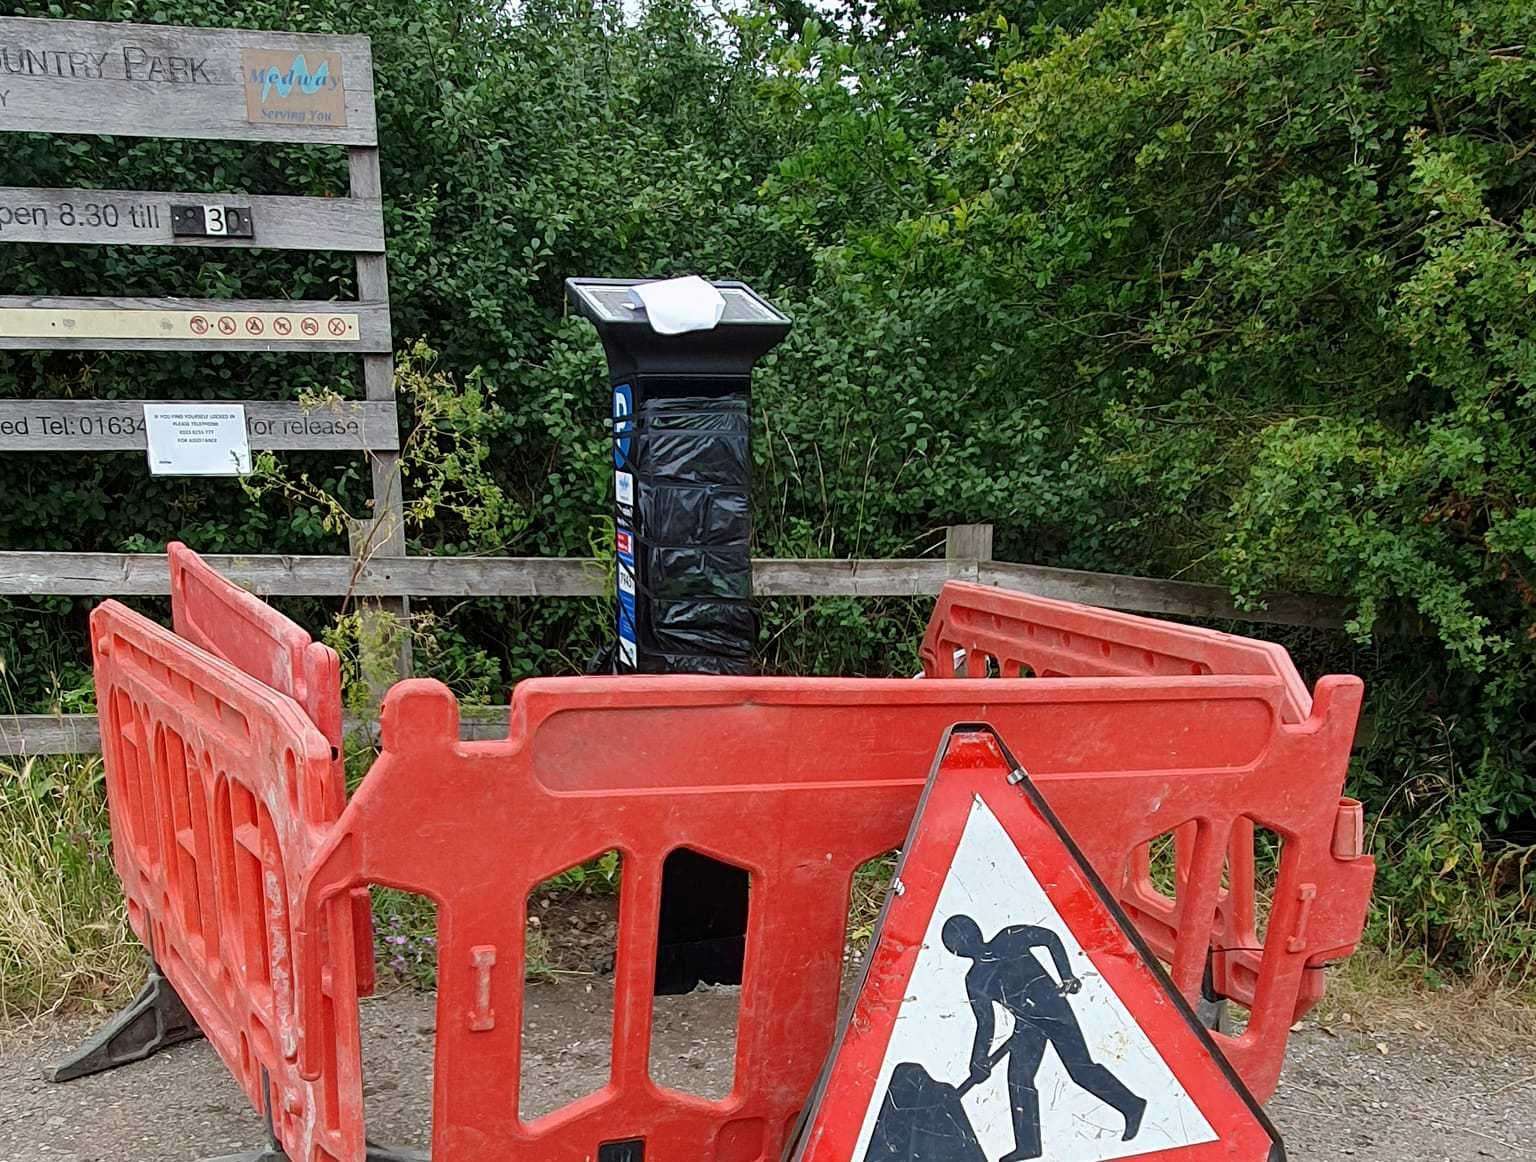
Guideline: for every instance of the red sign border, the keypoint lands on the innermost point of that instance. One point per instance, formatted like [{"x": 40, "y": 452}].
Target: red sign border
[{"x": 829, "y": 1133}]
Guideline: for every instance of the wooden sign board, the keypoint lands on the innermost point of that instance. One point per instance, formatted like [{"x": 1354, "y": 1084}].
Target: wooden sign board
[
  {"x": 138, "y": 80},
  {"x": 161, "y": 81},
  {"x": 138, "y": 218},
  {"x": 88, "y": 425},
  {"x": 104, "y": 324}
]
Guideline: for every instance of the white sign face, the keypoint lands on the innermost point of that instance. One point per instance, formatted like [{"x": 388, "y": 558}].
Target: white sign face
[
  {"x": 1075, "y": 1060},
  {"x": 197, "y": 439},
  {"x": 624, "y": 487}
]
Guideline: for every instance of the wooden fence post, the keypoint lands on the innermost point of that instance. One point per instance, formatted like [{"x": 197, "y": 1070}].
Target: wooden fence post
[
  {"x": 968, "y": 543},
  {"x": 384, "y": 632}
]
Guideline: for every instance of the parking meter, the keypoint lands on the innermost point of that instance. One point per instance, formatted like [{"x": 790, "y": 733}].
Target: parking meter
[{"x": 682, "y": 472}]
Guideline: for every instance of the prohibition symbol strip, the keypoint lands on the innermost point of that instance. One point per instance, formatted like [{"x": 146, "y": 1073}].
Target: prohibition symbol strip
[
  {"x": 112, "y": 323},
  {"x": 1008, "y": 1010}
]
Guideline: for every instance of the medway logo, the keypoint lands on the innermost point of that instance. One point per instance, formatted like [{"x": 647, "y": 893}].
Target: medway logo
[
  {"x": 283, "y": 87},
  {"x": 298, "y": 74}
]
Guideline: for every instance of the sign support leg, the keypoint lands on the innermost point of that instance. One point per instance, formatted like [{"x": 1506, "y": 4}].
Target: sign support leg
[{"x": 387, "y": 538}]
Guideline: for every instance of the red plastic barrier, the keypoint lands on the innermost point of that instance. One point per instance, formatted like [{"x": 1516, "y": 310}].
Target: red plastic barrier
[
  {"x": 976, "y": 631},
  {"x": 231, "y": 623},
  {"x": 217, "y": 615},
  {"x": 800, "y": 781},
  {"x": 1059, "y": 639},
  {"x": 220, "y": 790}
]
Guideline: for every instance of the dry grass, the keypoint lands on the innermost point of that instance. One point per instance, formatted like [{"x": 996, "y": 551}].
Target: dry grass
[
  {"x": 871, "y": 881},
  {"x": 64, "y": 940},
  {"x": 1379, "y": 991}
]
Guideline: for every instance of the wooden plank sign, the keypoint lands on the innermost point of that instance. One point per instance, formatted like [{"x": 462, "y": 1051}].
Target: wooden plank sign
[
  {"x": 89, "y": 425},
  {"x": 160, "y": 81},
  {"x": 106, "y": 324},
  {"x": 139, "y": 80},
  {"x": 137, "y": 218}
]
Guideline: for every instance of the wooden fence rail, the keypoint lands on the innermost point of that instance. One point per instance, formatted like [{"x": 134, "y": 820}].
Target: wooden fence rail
[{"x": 146, "y": 575}]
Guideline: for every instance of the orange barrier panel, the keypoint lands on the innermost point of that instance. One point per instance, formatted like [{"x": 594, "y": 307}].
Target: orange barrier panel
[
  {"x": 799, "y": 781},
  {"x": 220, "y": 789},
  {"x": 217, "y": 615},
  {"x": 977, "y": 631},
  {"x": 971, "y": 624}
]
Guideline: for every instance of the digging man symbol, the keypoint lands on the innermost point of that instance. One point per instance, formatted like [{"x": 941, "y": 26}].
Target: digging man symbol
[{"x": 1007, "y": 973}]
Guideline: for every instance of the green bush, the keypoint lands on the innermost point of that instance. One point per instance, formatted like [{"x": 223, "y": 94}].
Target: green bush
[{"x": 1241, "y": 292}]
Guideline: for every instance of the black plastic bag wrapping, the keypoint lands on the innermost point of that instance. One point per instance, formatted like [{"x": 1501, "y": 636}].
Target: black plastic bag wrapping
[
  {"x": 702, "y": 514},
  {"x": 693, "y": 531},
  {"x": 676, "y": 573},
  {"x": 696, "y": 664}
]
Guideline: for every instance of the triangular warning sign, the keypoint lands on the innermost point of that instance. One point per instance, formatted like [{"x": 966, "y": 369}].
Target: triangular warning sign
[{"x": 1008, "y": 1010}]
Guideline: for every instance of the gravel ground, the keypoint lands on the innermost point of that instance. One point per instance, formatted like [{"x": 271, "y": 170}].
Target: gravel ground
[{"x": 1383, "y": 1095}]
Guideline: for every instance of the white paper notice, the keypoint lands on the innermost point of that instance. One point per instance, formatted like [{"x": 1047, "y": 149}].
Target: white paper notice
[
  {"x": 197, "y": 439},
  {"x": 680, "y": 304}
]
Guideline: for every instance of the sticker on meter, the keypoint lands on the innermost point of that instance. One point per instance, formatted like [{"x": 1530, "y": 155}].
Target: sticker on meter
[
  {"x": 624, "y": 542},
  {"x": 627, "y": 644},
  {"x": 623, "y": 422}
]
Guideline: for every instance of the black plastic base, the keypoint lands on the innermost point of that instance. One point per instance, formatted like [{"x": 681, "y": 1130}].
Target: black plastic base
[
  {"x": 1213, "y": 1014},
  {"x": 272, "y": 1153},
  {"x": 1212, "y": 1007},
  {"x": 155, "y": 1020}
]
